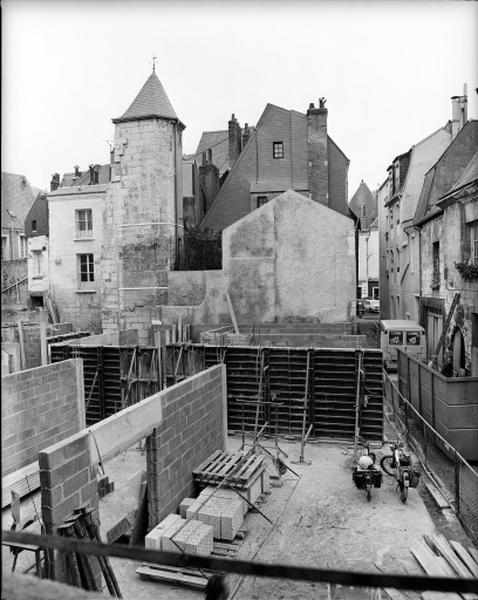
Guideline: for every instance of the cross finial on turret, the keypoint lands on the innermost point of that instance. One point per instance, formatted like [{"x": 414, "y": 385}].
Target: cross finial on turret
[{"x": 155, "y": 58}]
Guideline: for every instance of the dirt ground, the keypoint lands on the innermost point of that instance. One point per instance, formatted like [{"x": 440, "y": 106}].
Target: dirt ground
[{"x": 320, "y": 520}]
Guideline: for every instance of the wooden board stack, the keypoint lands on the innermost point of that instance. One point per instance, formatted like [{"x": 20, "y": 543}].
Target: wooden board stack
[{"x": 442, "y": 558}]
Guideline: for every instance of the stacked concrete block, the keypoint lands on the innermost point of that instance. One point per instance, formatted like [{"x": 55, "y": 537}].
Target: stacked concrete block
[
  {"x": 223, "y": 511},
  {"x": 194, "y": 538},
  {"x": 184, "y": 505},
  {"x": 153, "y": 539},
  {"x": 175, "y": 534}
]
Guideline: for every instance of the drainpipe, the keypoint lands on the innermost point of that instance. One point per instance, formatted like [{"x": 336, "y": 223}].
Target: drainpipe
[
  {"x": 420, "y": 316},
  {"x": 366, "y": 261},
  {"x": 175, "y": 125}
]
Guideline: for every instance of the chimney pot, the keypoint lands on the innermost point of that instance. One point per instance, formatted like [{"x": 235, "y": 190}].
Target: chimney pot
[
  {"x": 311, "y": 106},
  {"x": 55, "y": 182}
]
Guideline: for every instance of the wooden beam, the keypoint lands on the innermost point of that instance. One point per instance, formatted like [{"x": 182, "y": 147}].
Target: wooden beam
[
  {"x": 23, "y": 481},
  {"x": 248, "y": 567},
  {"x": 231, "y": 311},
  {"x": 23, "y": 362}
]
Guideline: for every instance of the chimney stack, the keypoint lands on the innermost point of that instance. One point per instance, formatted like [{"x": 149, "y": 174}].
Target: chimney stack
[
  {"x": 318, "y": 152},
  {"x": 246, "y": 134},
  {"x": 459, "y": 112},
  {"x": 235, "y": 135},
  {"x": 55, "y": 182}
]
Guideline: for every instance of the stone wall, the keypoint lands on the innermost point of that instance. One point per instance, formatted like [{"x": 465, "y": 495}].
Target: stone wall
[
  {"x": 141, "y": 210},
  {"x": 39, "y": 407}
]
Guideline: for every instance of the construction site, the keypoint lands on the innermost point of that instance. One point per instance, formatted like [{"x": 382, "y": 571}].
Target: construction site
[{"x": 233, "y": 454}]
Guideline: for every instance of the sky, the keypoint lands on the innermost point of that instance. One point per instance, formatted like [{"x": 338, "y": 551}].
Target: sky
[{"x": 387, "y": 69}]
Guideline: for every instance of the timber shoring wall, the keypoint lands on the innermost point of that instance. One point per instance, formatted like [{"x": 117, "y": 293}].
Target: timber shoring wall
[
  {"x": 114, "y": 376},
  {"x": 117, "y": 376},
  {"x": 330, "y": 386}
]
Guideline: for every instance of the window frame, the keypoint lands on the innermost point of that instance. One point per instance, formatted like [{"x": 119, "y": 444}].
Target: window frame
[
  {"x": 87, "y": 232},
  {"x": 278, "y": 150},
  {"x": 87, "y": 269}
]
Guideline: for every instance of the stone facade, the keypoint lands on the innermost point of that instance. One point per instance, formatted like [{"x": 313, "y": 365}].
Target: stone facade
[{"x": 77, "y": 301}]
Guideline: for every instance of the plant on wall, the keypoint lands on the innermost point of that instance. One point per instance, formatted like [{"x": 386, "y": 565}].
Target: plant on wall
[{"x": 467, "y": 270}]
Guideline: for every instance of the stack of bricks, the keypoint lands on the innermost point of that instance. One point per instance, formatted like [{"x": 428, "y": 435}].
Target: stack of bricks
[
  {"x": 223, "y": 510},
  {"x": 105, "y": 486},
  {"x": 192, "y": 428},
  {"x": 175, "y": 534}
]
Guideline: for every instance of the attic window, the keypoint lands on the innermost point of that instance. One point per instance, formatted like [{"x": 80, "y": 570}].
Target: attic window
[
  {"x": 261, "y": 200},
  {"x": 277, "y": 149}
]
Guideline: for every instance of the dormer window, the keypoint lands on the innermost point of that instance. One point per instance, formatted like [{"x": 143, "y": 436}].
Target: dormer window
[{"x": 277, "y": 149}]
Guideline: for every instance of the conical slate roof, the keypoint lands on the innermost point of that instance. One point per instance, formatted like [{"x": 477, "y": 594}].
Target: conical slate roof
[{"x": 152, "y": 101}]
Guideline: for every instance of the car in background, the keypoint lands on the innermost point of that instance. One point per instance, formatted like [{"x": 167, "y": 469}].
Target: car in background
[{"x": 371, "y": 305}]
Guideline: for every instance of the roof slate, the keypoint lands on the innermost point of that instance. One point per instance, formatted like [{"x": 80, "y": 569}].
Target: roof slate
[
  {"x": 151, "y": 101},
  {"x": 69, "y": 179},
  {"x": 18, "y": 197},
  {"x": 446, "y": 172},
  {"x": 363, "y": 197},
  {"x": 469, "y": 175}
]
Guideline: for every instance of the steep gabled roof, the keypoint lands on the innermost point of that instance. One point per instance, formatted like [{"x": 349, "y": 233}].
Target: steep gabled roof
[
  {"x": 445, "y": 173},
  {"x": 17, "y": 197},
  {"x": 218, "y": 141},
  {"x": 364, "y": 205},
  {"x": 469, "y": 175},
  {"x": 151, "y": 102}
]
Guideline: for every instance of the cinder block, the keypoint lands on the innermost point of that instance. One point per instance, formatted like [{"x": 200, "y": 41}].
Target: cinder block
[
  {"x": 194, "y": 538},
  {"x": 153, "y": 538},
  {"x": 166, "y": 538},
  {"x": 232, "y": 516},
  {"x": 184, "y": 505}
]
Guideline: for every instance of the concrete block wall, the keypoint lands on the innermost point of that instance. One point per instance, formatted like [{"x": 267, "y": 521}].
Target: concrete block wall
[
  {"x": 68, "y": 480},
  {"x": 40, "y": 407},
  {"x": 194, "y": 425}
]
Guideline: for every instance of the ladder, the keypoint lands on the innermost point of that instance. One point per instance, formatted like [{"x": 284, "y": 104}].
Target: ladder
[{"x": 449, "y": 316}]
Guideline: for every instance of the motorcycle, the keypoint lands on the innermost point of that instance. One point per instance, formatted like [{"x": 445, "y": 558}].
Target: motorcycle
[{"x": 398, "y": 465}]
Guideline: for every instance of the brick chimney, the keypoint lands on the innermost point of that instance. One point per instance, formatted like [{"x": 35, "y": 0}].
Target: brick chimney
[
  {"x": 235, "y": 135},
  {"x": 209, "y": 179},
  {"x": 459, "y": 112},
  {"x": 55, "y": 182},
  {"x": 246, "y": 134},
  {"x": 317, "y": 152}
]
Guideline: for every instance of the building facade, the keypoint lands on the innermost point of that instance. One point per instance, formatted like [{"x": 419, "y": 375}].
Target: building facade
[
  {"x": 286, "y": 150},
  {"x": 446, "y": 217}
]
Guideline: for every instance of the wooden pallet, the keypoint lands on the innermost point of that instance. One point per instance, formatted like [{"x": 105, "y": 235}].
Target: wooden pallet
[
  {"x": 229, "y": 549},
  {"x": 222, "y": 464},
  {"x": 192, "y": 578}
]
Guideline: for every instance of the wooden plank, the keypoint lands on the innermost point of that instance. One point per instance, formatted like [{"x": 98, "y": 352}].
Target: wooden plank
[
  {"x": 21, "y": 339},
  {"x": 435, "y": 566},
  {"x": 231, "y": 311},
  {"x": 437, "y": 496},
  {"x": 444, "y": 548},
  {"x": 193, "y": 581},
  {"x": 465, "y": 556},
  {"x": 473, "y": 552},
  {"x": 17, "y": 482}
]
